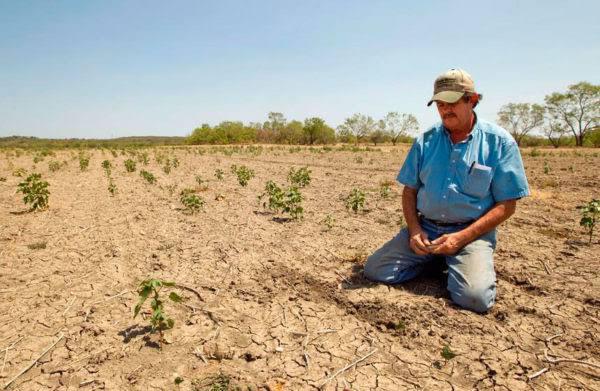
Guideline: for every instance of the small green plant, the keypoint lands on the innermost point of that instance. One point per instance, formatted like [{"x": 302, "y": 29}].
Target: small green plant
[
  {"x": 114, "y": 153},
  {"x": 199, "y": 180},
  {"x": 546, "y": 167},
  {"x": 329, "y": 222},
  {"x": 219, "y": 174},
  {"x": 159, "y": 320},
  {"x": 355, "y": 200},
  {"x": 148, "y": 176},
  {"x": 192, "y": 202},
  {"x": 300, "y": 178},
  {"x": 534, "y": 152},
  {"x": 275, "y": 196},
  {"x": 112, "y": 188},
  {"x": 35, "y": 191},
  {"x": 447, "y": 353},
  {"x": 129, "y": 165},
  {"x": 175, "y": 162},
  {"x": 54, "y": 166},
  {"x": 84, "y": 161},
  {"x": 385, "y": 189},
  {"x": 288, "y": 201},
  {"x": 143, "y": 158},
  {"x": 293, "y": 203},
  {"x": 167, "y": 167},
  {"x": 106, "y": 165},
  {"x": 244, "y": 174},
  {"x": 590, "y": 214}
]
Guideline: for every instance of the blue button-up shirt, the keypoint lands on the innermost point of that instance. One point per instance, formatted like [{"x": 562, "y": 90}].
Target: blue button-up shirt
[{"x": 460, "y": 182}]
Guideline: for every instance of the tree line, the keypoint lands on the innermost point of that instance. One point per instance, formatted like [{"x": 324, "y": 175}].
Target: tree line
[
  {"x": 394, "y": 127},
  {"x": 564, "y": 116}
]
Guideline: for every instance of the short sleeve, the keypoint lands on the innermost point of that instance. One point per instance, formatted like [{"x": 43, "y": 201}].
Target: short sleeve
[
  {"x": 509, "y": 181},
  {"x": 409, "y": 173}
]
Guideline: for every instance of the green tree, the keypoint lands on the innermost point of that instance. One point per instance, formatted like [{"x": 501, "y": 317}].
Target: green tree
[
  {"x": 554, "y": 132},
  {"x": 358, "y": 126},
  {"x": 577, "y": 110},
  {"x": 317, "y": 131},
  {"x": 399, "y": 125},
  {"x": 521, "y": 118},
  {"x": 274, "y": 125},
  {"x": 291, "y": 133}
]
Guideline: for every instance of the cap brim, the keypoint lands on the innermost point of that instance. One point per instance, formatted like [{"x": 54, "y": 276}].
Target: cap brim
[{"x": 446, "y": 96}]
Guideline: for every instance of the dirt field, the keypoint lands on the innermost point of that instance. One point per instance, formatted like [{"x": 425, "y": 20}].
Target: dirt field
[{"x": 283, "y": 304}]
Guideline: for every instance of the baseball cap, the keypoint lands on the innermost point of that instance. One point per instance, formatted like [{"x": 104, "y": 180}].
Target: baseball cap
[{"x": 451, "y": 85}]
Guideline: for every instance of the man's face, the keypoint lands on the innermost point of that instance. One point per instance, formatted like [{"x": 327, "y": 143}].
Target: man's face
[{"x": 455, "y": 116}]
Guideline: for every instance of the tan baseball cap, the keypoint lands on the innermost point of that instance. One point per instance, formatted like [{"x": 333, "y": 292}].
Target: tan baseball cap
[{"x": 450, "y": 86}]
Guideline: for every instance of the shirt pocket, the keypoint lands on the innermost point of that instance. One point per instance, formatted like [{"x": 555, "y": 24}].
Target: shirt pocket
[{"x": 478, "y": 181}]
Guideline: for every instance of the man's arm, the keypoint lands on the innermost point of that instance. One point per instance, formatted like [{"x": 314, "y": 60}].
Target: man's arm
[
  {"x": 418, "y": 237},
  {"x": 450, "y": 244}
]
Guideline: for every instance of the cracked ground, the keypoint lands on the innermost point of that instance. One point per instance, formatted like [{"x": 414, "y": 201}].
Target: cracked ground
[{"x": 277, "y": 304}]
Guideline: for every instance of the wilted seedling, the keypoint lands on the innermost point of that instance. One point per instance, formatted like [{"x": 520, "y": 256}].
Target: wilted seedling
[
  {"x": 329, "y": 222},
  {"x": 300, "y": 178},
  {"x": 385, "y": 189},
  {"x": 143, "y": 158},
  {"x": 37, "y": 246},
  {"x": 167, "y": 167},
  {"x": 355, "y": 200},
  {"x": 244, "y": 174},
  {"x": 192, "y": 202},
  {"x": 546, "y": 167},
  {"x": 590, "y": 215},
  {"x": 219, "y": 174},
  {"x": 199, "y": 180},
  {"x": 19, "y": 172},
  {"x": 159, "y": 320},
  {"x": 35, "y": 191},
  {"x": 112, "y": 188},
  {"x": 447, "y": 353},
  {"x": 148, "y": 176},
  {"x": 129, "y": 165}
]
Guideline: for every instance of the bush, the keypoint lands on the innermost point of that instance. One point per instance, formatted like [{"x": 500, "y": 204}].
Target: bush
[
  {"x": 35, "y": 191},
  {"x": 244, "y": 174},
  {"x": 148, "y": 176},
  {"x": 192, "y": 202}
]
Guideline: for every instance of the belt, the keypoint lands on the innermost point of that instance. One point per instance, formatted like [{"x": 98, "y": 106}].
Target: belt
[{"x": 445, "y": 223}]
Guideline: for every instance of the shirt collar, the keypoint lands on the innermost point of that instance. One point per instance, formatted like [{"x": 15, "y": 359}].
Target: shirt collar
[{"x": 474, "y": 130}]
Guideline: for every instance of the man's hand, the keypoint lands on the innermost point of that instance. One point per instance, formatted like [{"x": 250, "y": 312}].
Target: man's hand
[
  {"x": 419, "y": 243},
  {"x": 447, "y": 244}
]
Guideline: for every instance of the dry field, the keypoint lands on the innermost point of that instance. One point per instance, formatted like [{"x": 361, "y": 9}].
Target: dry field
[{"x": 282, "y": 305}]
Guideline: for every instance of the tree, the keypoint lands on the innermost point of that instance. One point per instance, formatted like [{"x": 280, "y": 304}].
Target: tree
[
  {"x": 554, "y": 132},
  {"x": 317, "y": 131},
  {"x": 358, "y": 127},
  {"x": 291, "y": 133},
  {"x": 520, "y": 118},
  {"x": 578, "y": 110},
  {"x": 399, "y": 125}
]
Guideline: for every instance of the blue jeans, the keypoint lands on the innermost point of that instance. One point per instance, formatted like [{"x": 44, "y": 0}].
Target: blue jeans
[{"x": 471, "y": 275}]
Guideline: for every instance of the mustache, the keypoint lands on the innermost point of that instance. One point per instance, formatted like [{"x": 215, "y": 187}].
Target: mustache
[{"x": 449, "y": 116}]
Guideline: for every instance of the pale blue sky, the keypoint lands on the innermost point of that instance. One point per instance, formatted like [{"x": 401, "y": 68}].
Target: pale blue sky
[{"x": 118, "y": 68}]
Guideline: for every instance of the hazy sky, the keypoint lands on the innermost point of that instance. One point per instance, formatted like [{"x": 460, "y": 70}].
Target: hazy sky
[{"x": 118, "y": 68}]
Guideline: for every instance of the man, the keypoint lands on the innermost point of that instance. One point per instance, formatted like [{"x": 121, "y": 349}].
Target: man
[{"x": 462, "y": 178}]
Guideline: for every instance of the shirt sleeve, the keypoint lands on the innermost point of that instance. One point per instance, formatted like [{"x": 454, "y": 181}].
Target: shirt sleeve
[
  {"x": 509, "y": 181},
  {"x": 409, "y": 173}
]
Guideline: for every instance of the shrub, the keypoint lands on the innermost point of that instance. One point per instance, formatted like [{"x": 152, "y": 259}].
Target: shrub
[
  {"x": 300, "y": 178},
  {"x": 35, "y": 191},
  {"x": 148, "y": 176},
  {"x": 355, "y": 200},
  {"x": 275, "y": 194},
  {"x": 129, "y": 165},
  {"x": 106, "y": 165},
  {"x": 192, "y": 202},
  {"x": 159, "y": 320},
  {"x": 288, "y": 201},
  {"x": 590, "y": 215}
]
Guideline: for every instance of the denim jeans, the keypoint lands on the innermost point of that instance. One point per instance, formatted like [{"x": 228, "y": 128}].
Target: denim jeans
[{"x": 471, "y": 275}]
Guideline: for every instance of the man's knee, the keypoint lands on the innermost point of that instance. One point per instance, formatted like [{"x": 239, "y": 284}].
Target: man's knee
[
  {"x": 373, "y": 270},
  {"x": 477, "y": 299}
]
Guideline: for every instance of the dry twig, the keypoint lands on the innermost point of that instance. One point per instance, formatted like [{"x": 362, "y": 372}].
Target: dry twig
[
  {"x": 330, "y": 378},
  {"x": 571, "y": 360}
]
